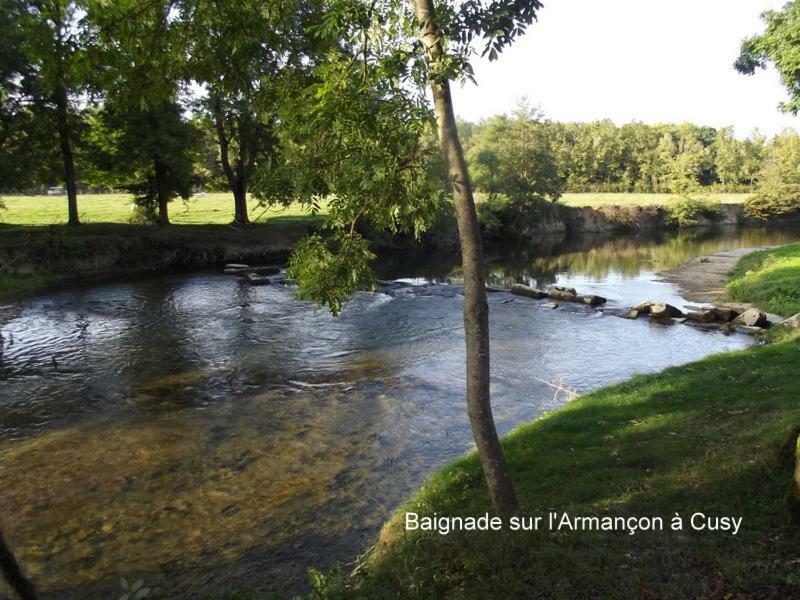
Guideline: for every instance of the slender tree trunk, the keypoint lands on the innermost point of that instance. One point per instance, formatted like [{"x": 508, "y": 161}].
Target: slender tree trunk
[
  {"x": 476, "y": 308},
  {"x": 236, "y": 180},
  {"x": 13, "y": 573},
  {"x": 62, "y": 124},
  {"x": 793, "y": 497},
  {"x": 162, "y": 194}
]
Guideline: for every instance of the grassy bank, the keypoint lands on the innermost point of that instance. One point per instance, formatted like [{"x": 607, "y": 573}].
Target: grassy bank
[
  {"x": 769, "y": 279},
  {"x": 599, "y": 200},
  {"x": 218, "y": 207},
  {"x": 705, "y": 437},
  {"x": 214, "y": 208},
  {"x": 51, "y": 256}
]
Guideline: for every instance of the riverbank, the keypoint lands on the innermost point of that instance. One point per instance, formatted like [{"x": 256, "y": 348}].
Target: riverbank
[
  {"x": 701, "y": 438},
  {"x": 715, "y": 437}
]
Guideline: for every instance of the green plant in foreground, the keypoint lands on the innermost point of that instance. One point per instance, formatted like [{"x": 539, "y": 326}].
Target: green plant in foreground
[{"x": 134, "y": 591}]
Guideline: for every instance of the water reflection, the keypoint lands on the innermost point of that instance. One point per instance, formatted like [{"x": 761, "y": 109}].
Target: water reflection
[{"x": 207, "y": 435}]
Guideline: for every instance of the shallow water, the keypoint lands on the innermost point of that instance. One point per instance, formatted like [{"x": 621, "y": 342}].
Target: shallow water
[{"x": 202, "y": 434}]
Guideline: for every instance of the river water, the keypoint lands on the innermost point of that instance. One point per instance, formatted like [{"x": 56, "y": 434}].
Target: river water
[{"x": 205, "y": 435}]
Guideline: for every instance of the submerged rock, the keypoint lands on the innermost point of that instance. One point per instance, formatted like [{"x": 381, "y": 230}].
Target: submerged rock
[
  {"x": 524, "y": 290},
  {"x": 254, "y": 279},
  {"x": 549, "y": 305},
  {"x": 752, "y": 317},
  {"x": 631, "y": 314}
]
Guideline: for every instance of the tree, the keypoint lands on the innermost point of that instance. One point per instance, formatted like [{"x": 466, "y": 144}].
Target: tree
[
  {"x": 242, "y": 58},
  {"x": 778, "y": 44},
  {"x": 377, "y": 74},
  {"x": 514, "y": 157},
  {"x": 53, "y": 46},
  {"x": 148, "y": 151},
  {"x": 141, "y": 141}
]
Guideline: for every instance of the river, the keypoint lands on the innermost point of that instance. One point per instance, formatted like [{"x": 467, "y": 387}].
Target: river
[{"x": 206, "y": 436}]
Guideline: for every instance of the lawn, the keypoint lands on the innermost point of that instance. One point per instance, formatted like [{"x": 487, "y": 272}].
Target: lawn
[
  {"x": 769, "y": 279},
  {"x": 217, "y": 208},
  {"x": 709, "y": 437},
  {"x": 214, "y": 208},
  {"x": 596, "y": 200}
]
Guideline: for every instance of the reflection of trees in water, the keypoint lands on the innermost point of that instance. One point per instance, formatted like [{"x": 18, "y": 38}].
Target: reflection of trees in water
[{"x": 598, "y": 255}]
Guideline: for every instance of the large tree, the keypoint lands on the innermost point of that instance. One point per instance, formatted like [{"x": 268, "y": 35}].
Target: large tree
[
  {"x": 374, "y": 82},
  {"x": 244, "y": 56},
  {"x": 52, "y": 44}
]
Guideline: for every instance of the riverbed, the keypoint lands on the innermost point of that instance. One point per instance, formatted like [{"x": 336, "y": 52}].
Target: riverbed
[{"x": 206, "y": 435}]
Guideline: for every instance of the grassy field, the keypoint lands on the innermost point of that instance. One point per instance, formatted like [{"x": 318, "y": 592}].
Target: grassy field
[
  {"x": 218, "y": 208},
  {"x": 769, "y": 279},
  {"x": 702, "y": 438},
  {"x": 116, "y": 208},
  {"x": 596, "y": 200}
]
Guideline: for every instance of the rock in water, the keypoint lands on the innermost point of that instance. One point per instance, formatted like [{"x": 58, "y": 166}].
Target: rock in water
[
  {"x": 631, "y": 314},
  {"x": 643, "y": 308},
  {"x": 726, "y": 315},
  {"x": 591, "y": 299},
  {"x": 752, "y": 317},
  {"x": 662, "y": 310},
  {"x": 237, "y": 266},
  {"x": 559, "y": 292},
  {"x": 524, "y": 290},
  {"x": 549, "y": 305},
  {"x": 701, "y": 316},
  {"x": 254, "y": 279},
  {"x": 792, "y": 322}
]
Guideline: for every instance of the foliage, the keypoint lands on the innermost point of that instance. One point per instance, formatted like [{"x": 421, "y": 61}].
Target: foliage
[
  {"x": 770, "y": 279},
  {"x": 505, "y": 218},
  {"x": 134, "y": 591},
  {"x": 148, "y": 152},
  {"x": 329, "y": 271},
  {"x": 514, "y": 157},
  {"x": 552, "y": 157},
  {"x": 688, "y": 210},
  {"x": 651, "y": 446},
  {"x": 778, "y": 191},
  {"x": 778, "y": 44}
]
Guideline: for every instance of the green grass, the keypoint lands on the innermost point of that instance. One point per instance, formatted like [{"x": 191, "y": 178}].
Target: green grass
[
  {"x": 705, "y": 437},
  {"x": 770, "y": 279},
  {"x": 116, "y": 208},
  {"x": 217, "y": 208},
  {"x": 597, "y": 200}
]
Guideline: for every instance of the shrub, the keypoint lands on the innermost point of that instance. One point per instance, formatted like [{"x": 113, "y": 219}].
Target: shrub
[
  {"x": 688, "y": 210},
  {"x": 773, "y": 201}
]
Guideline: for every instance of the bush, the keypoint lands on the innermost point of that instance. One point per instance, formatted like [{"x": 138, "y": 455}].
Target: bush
[
  {"x": 773, "y": 201},
  {"x": 503, "y": 218},
  {"x": 688, "y": 210}
]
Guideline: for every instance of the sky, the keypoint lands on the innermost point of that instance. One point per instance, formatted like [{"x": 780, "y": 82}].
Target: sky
[{"x": 647, "y": 60}]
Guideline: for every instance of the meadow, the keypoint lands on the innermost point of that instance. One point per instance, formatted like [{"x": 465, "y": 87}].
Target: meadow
[{"x": 217, "y": 208}]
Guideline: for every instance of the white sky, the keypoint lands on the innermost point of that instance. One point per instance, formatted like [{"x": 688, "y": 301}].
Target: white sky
[{"x": 648, "y": 60}]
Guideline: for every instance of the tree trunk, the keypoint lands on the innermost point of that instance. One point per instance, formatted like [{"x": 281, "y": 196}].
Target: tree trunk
[
  {"x": 236, "y": 180},
  {"x": 476, "y": 308},
  {"x": 793, "y": 497},
  {"x": 62, "y": 124},
  {"x": 161, "y": 192},
  {"x": 13, "y": 573},
  {"x": 240, "y": 203}
]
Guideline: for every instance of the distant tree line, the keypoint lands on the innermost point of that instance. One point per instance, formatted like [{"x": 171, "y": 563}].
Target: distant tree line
[{"x": 524, "y": 153}]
